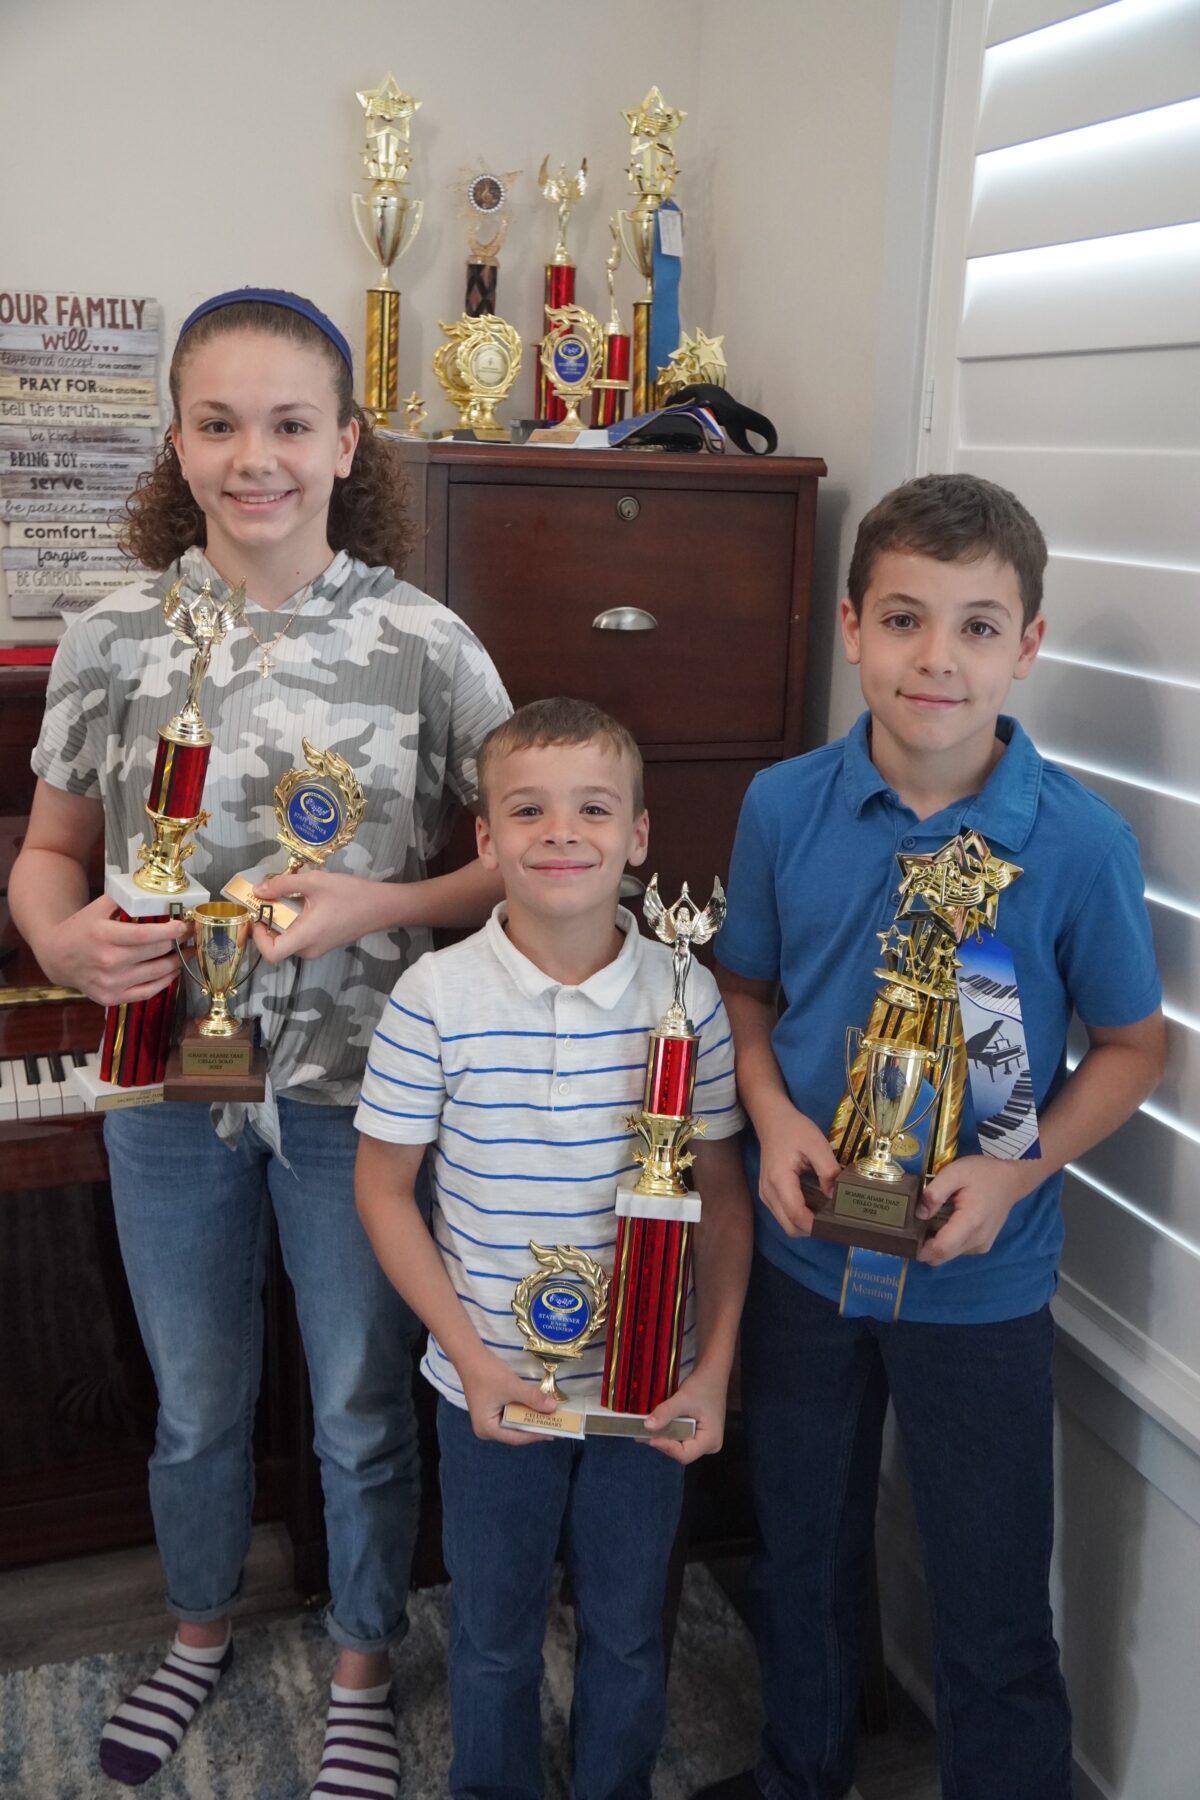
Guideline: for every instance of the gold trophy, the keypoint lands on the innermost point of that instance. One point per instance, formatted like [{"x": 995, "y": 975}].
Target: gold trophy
[
  {"x": 699, "y": 361},
  {"x": 559, "y": 1307},
  {"x": 184, "y": 743},
  {"x": 218, "y": 1057},
  {"x": 317, "y": 811},
  {"x": 653, "y": 170},
  {"x": 388, "y": 219},
  {"x": 572, "y": 359},
  {"x": 477, "y": 367},
  {"x": 914, "y": 1033},
  {"x": 874, "y": 1201}
]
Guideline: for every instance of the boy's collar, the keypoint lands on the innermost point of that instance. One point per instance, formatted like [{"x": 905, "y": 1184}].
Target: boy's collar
[
  {"x": 605, "y": 987},
  {"x": 1004, "y": 809}
]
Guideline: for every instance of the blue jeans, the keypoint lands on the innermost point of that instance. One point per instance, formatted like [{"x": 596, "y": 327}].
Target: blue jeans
[
  {"x": 192, "y": 1218},
  {"x": 974, "y": 1410},
  {"x": 504, "y": 1508}
]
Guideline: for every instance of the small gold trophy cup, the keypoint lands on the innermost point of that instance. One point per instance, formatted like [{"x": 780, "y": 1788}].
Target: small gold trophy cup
[
  {"x": 217, "y": 1058},
  {"x": 560, "y": 1306},
  {"x": 388, "y": 219},
  {"x": 874, "y": 1201},
  {"x": 317, "y": 810}
]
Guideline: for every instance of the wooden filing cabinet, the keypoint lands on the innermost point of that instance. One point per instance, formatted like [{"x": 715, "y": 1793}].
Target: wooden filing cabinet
[{"x": 532, "y": 547}]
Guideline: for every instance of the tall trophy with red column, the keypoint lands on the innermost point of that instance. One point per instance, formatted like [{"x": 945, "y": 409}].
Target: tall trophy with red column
[
  {"x": 649, "y": 1289},
  {"x": 608, "y": 394},
  {"x": 137, "y": 1034},
  {"x": 562, "y": 190}
]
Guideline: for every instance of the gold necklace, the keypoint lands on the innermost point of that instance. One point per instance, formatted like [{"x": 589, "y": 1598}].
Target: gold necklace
[{"x": 265, "y": 665}]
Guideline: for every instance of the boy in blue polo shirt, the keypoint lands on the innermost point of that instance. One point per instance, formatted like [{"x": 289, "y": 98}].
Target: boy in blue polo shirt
[{"x": 943, "y": 613}]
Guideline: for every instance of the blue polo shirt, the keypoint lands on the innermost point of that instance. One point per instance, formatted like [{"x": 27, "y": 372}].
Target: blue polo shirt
[{"x": 814, "y": 877}]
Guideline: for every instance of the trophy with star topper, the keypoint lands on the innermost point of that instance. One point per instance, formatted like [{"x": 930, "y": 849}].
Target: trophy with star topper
[
  {"x": 648, "y": 1294},
  {"x": 388, "y": 219},
  {"x": 653, "y": 170},
  {"x": 137, "y": 1033},
  {"x": 942, "y": 966}
]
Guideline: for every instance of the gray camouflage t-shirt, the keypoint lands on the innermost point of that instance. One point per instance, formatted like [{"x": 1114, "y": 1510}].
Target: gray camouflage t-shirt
[{"x": 370, "y": 667}]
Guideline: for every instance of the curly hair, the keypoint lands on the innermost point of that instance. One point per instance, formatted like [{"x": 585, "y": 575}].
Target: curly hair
[{"x": 368, "y": 514}]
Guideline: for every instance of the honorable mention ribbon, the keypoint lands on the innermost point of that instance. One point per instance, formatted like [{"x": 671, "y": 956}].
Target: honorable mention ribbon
[{"x": 664, "y": 314}]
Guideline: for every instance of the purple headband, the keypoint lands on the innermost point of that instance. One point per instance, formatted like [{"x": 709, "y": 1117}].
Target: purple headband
[{"x": 273, "y": 297}]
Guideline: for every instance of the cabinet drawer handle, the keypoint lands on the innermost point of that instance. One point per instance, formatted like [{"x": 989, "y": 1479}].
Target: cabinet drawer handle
[{"x": 625, "y": 618}]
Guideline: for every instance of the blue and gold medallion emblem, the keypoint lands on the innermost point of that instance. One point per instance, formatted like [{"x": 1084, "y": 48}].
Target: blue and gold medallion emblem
[{"x": 559, "y": 1307}]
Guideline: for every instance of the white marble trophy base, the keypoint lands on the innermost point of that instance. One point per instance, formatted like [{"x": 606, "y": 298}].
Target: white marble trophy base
[
  {"x": 106, "y": 1096},
  {"x": 682, "y": 1209},
  {"x": 139, "y": 904}
]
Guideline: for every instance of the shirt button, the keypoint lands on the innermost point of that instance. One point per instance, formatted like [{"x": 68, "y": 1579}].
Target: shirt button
[
  {"x": 564, "y": 1087},
  {"x": 909, "y": 842}
]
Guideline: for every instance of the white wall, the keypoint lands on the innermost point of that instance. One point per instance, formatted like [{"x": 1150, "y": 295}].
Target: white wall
[{"x": 163, "y": 148}]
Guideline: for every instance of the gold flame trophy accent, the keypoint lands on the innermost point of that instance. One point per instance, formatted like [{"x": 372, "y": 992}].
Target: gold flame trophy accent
[
  {"x": 477, "y": 367},
  {"x": 388, "y": 219},
  {"x": 572, "y": 360},
  {"x": 560, "y": 1306},
  {"x": 653, "y": 170},
  {"x": 318, "y": 809}
]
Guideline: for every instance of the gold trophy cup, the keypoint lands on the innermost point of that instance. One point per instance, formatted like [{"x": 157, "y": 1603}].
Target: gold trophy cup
[
  {"x": 388, "y": 219},
  {"x": 874, "y": 1201},
  {"x": 217, "y": 1058}
]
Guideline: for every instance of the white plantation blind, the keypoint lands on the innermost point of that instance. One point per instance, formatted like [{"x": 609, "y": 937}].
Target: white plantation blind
[{"x": 1064, "y": 362}]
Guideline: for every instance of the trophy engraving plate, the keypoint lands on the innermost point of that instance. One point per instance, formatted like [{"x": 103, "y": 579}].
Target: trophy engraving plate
[{"x": 874, "y": 1206}]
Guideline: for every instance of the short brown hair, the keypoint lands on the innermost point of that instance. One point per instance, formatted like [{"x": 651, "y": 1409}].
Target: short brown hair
[
  {"x": 368, "y": 509},
  {"x": 559, "y": 721},
  {"x": 954, "y": 518}
]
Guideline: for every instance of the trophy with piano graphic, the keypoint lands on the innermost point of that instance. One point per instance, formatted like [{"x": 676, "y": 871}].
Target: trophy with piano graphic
[
  {"x": 648, "y": 1298},
  {"x": 137, "y": 1033},
  {"x": 947, "y": 1014}
]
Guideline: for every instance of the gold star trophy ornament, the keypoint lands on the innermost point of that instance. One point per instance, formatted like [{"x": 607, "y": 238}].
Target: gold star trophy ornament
[
  {"x": 699, "y": 361},
  {"x": 388, "y": 219},
  {"x": 563, "y": 191},
  {"x": 653, "y": 170},
  {"x": 477, "y": 367},
  {"x": 483, "y": 194}
]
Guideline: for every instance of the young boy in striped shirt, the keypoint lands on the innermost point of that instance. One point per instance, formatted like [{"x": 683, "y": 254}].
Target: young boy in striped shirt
[{"x": 519, "y": 1053}]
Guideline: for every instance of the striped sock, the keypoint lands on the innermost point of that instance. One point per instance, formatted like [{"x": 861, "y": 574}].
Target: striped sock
[
  {"x": 360, "y": 1760},
  {"x": 147, "y": 1728}
]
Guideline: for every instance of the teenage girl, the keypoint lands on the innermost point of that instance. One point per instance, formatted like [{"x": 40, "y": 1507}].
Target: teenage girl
[{"x": 272, "y": 476}]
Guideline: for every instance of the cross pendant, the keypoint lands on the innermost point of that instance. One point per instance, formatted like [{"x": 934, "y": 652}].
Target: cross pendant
[{"x": 264, "y": 663}]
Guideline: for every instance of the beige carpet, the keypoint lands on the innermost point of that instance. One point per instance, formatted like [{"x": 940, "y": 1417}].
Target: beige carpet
[{"x": 261, "y": 1738}]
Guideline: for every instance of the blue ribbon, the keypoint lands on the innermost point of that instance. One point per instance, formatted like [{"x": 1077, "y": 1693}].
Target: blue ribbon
[{"x": 664, "y": 314}]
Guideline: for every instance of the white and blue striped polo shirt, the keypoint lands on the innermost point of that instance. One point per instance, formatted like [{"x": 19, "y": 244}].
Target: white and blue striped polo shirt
[{"x": 524, "y": 1085}]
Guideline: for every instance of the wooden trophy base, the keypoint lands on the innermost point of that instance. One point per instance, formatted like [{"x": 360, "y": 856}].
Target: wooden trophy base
[
  {"x": 205, "y": 1069},
  {"x": 870, "y": 1214}
]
